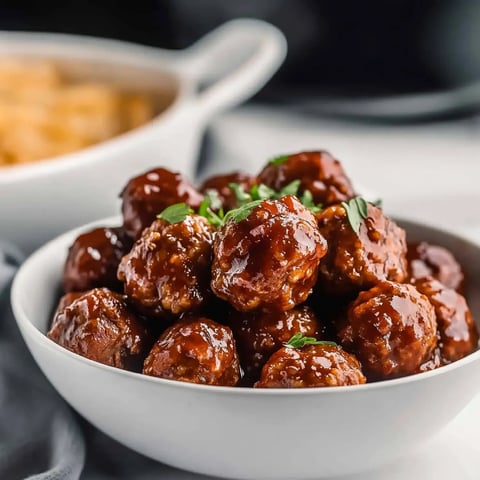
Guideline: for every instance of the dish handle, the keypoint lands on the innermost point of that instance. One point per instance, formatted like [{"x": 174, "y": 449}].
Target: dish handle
[{"x": 232, "y": 63}]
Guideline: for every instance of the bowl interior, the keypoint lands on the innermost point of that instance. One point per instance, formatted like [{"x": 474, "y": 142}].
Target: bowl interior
[{"x": 40, "y": 286}]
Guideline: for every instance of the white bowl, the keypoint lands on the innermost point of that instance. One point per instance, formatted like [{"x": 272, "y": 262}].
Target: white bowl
[
  {"x": 40, "y": 200},
  {"x": 248, "y": 433}
]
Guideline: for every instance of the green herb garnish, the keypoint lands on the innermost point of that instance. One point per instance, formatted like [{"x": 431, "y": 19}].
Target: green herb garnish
[
  {"x": 299, "y": 341},
  {"x": 215, "y": 219},
  {"x": 175, "y": 213},
  {"x": 241, "y": 195},
  {"x": 290, "y": 189},
  {"x": 262, "y": 192},
  {"x": 280, "y": 160},
  {"x": 241, "y": 213},
  {"x": 357, "y": 210},
  {"x": 307, "y": 201},
  {"x": 214, "y": 201},
  {"x": 378, "y": 203}
]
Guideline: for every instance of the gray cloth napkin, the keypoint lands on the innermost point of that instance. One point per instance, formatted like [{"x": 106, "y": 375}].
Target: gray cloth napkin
[{"x": 41, "y": 438}]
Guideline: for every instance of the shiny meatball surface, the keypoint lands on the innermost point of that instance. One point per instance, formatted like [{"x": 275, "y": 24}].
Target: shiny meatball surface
[
  {"x": 427, "y": 260},
  {"x": 219, "y": 183},
  {"x": 260, "y": 334},
  {"x": 98, "y": 325},
  {"x": 359, "y": 261},
  {"x": 195, "y": 350},
  {"x": 457, "y": 331},
  {"x": 311, "y": 366},
  {"x": 391, "y": 329},
  {"x": 167, "y": 271},
  {"x": 147, "y": 195},
  {"x": 318, "y": 172},
  {"x": 269, "y": 260},
  {"x": 93, "y": 260}
]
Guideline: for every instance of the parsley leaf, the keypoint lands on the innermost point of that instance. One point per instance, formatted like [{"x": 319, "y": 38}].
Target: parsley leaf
[
  {"x": 205, "y": 210},
  {"x": 290, "y": 189},
  {"x": 241, "y": 213},
  {"x": 214, "y": 201},
  {"x": 357, "y": 210},
  {"x": 307, "y": 201},
  {"x": 280, "y": 160},
  {"x": 175, "y": 213},
  {"x": 240, "y": 194},
  {"x": 262, "y": 192},
  {"x": 299, "y": 341}
]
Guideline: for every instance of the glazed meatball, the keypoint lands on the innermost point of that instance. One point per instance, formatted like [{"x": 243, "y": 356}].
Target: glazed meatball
[
  {"x": 391, "y": 328},
  {"x": 219, "y": 184},
  {"x": 457, "y": 331},
  {"x": 311, "y": 366},
  {"x": 269, "y": 260},
  {"x": 67, "y": 299},
  {"x": 426, "y": 260},
  {"x": 93, "y": 260},
  {"x": 195, "y": 350},
  {"x": 167, "y": 271},
  {"x": 147, "y": 195},
  {"x": 98, "y": 325},
  {"x": 259, "y": 334},
  {"x": 357, "y": 262},
  {"x": 318, "y": 172}
]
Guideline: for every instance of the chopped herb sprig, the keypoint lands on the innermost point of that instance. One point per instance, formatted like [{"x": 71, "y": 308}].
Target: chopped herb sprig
[
  {"x": 357, "y": 211},
  {"x": 299, "y": 341},
  {"x": 262, "y": 192},
  {"x": 175, "y": 213},
  {"x": 279, "y": 160}
]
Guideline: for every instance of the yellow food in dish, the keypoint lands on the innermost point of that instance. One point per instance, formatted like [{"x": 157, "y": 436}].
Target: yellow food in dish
[{"x": 43, "y": 114}]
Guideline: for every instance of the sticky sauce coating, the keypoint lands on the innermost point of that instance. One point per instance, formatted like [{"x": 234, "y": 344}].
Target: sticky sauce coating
[
  {"x": 318, "y": 172},
  {"x": 145, "y": 196},
  {"x": 312, "y": 366},
  {"x": 93, "y": 260},
  {"x": 258, "y": 335},
  {"x": 98, "y": 325},
  {"x": 426, "y": 260},
  {"x": 195, "y": 350},
  {"x": 168, "y": 269},
  {"x": 358, "y": 261},
  {"x": 457, "y": 332},
  {"x": 392, "y": 330},
  {"x": 269, "y": 260}
]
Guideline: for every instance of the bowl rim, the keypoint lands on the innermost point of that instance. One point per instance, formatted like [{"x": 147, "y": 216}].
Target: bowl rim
[
  {"x": 155, "y": 58},
  {"x": 27, "y": 328}
]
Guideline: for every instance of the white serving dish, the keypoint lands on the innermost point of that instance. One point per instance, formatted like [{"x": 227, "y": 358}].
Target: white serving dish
[
  {"x": 229, "y": 65},
  {"x": 248, "y": 433}
]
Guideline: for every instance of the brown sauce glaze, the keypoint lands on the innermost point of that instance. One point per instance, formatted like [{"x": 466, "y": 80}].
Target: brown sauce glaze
[
  {"x": 427, "y": 260},
  {"x": 195, "y": 350},
  {"x": 168, "y": 269},
  {"x": 457, "y": 331},
  {"x": 311, "y": 366},
  {"x": 259, "y": 334},
  {"x": 392, "y": 330},
  {"x": 98, "y": 325},
  {"x": 318, "y": 172},
  {"x": 93, "y": 260},
  {"x": 147, "y": 195},
  {"x": 359, "y": 261},
  {"x": 269, "y": 260}
]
